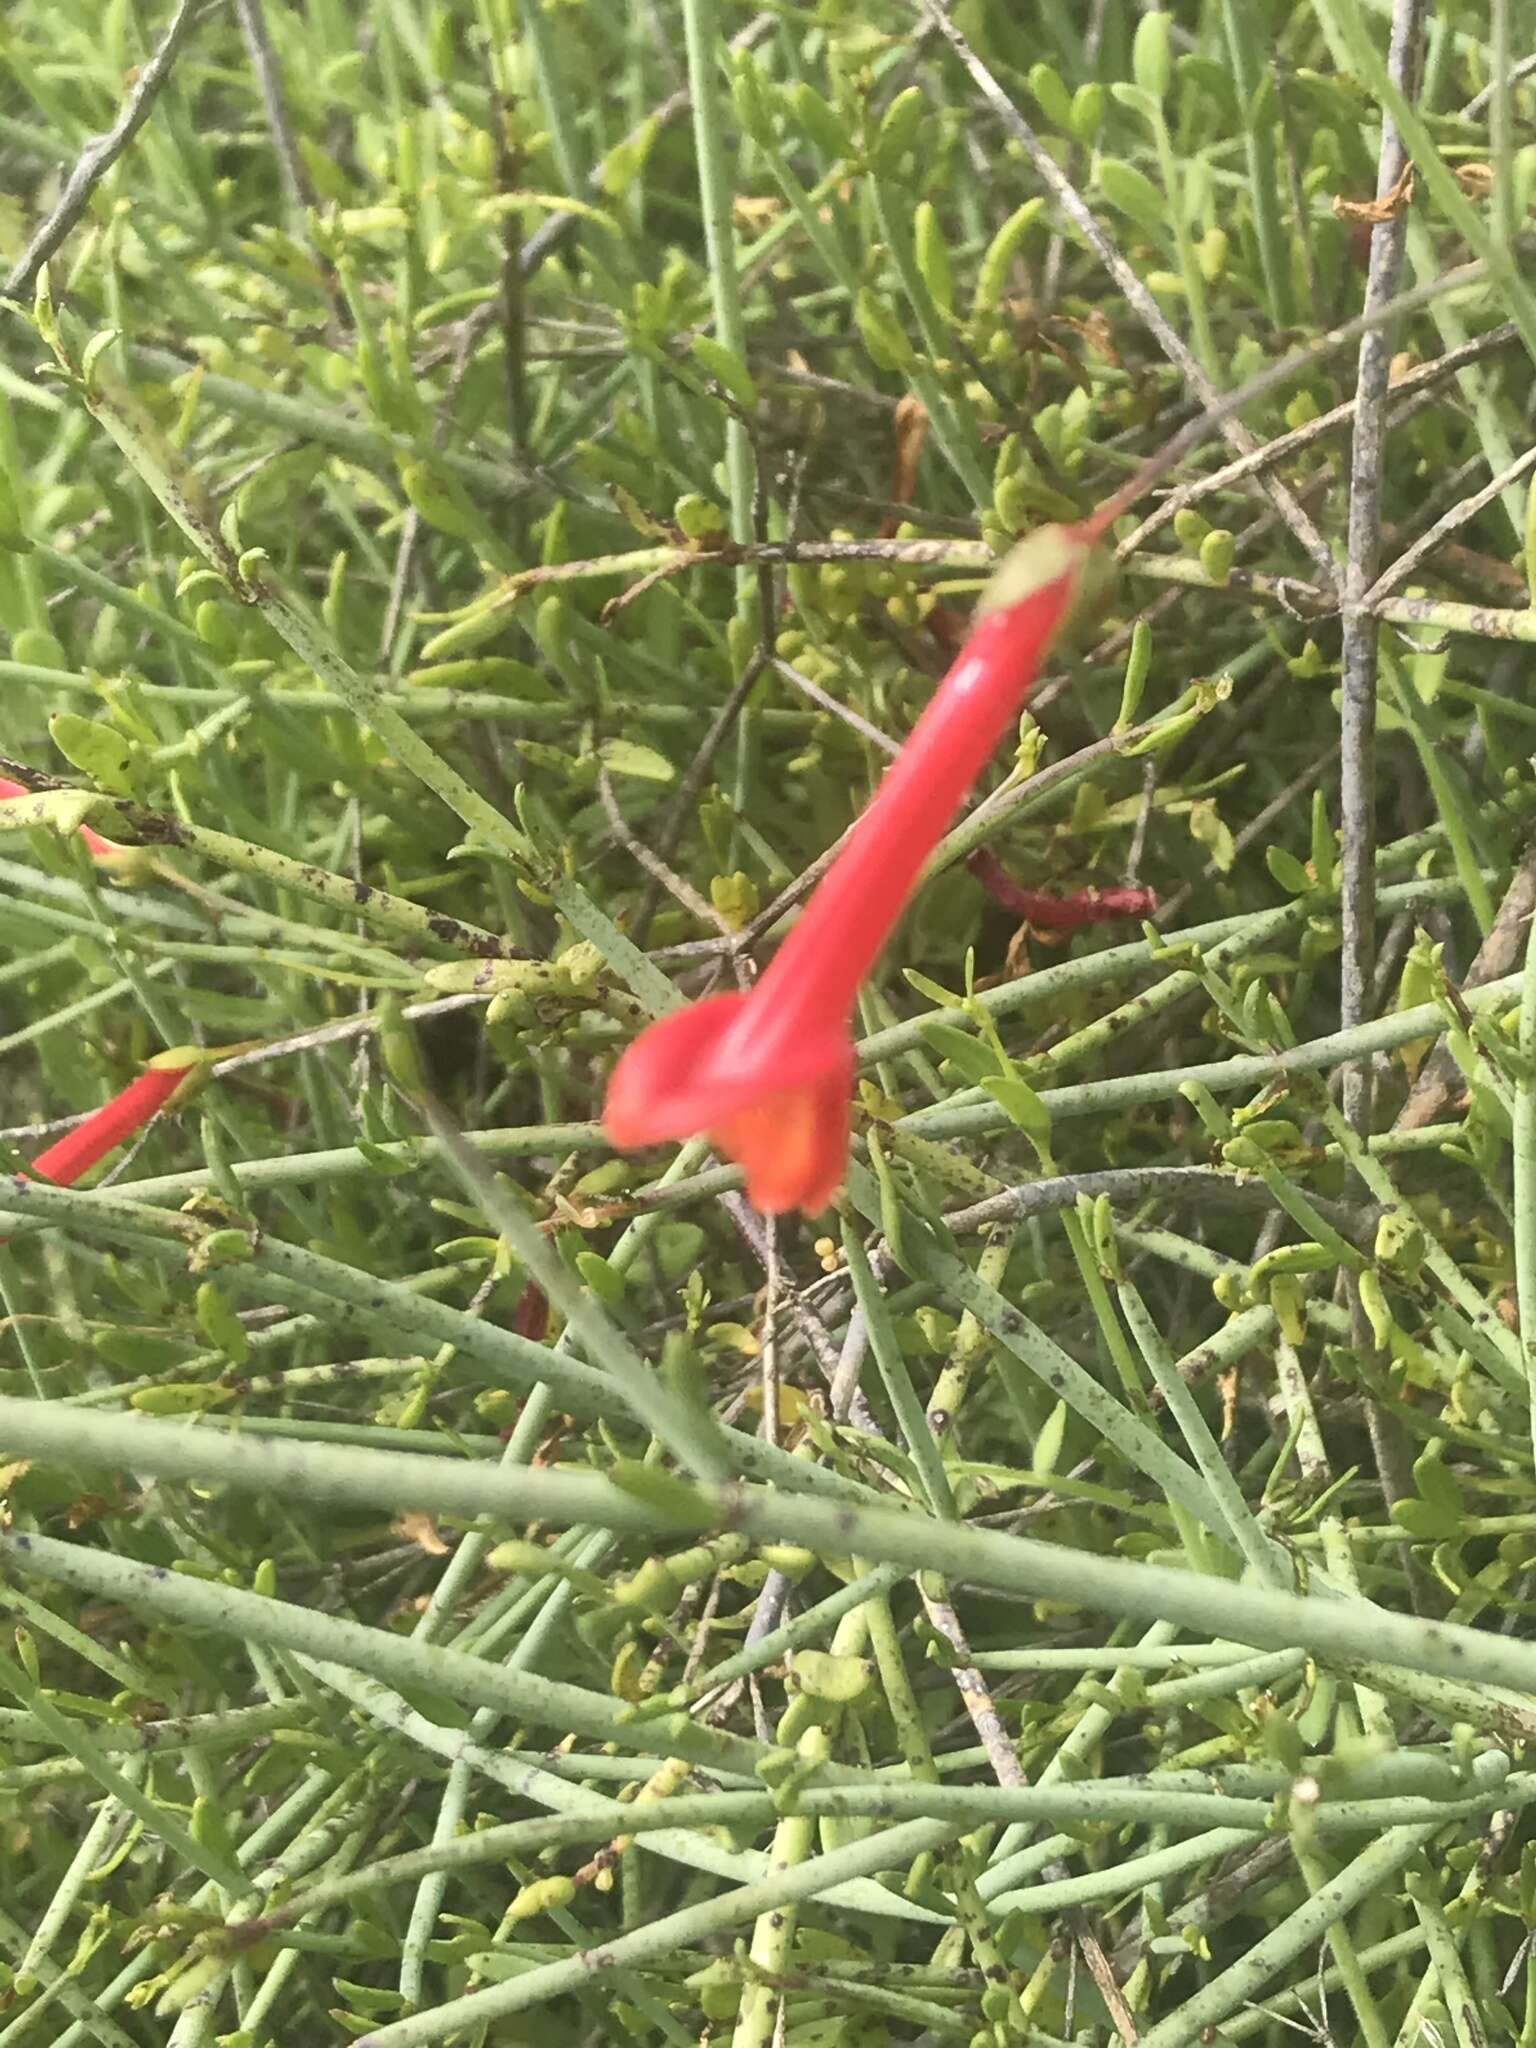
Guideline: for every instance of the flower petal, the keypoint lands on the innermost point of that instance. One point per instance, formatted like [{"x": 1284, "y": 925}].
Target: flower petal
[
  {"x": 794, "y": 1144},
  {"x": 663, "y": 1086},
  {"x": 699, "y": 1066},
  {"x": 781, "y": 1110}
]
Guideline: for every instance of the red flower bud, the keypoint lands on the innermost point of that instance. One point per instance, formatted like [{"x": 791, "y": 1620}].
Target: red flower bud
[{"x": 79, "y": 1150}]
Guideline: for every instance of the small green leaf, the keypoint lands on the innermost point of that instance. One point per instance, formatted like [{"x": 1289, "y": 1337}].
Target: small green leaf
[
  {"x": 605, "y": 1281},
  {"x": 836, "y": 1679},
  {"x": 736, "y": 898},
  {"x": 701, "y": 519},
  {"x": 1049, "y": 1443},
  {"x": 668, "y": 1496},
  {"x": 972, "y": 1060},
  {"x": 13, "y": 533},
  {"x": 1138, "y": 666},
  {"x": 1001, "y": 252},
  {"x": 1051, "y": 95},
  {"x": 626, "y": 160},
  {"x": 384, "y": 1162},
  {"x": 1211, "y": 253},
  {"x": 1217, "y": 552},
  {"x": 1437, "y": 1485},
  {"x": 1022, "y": 1106},
  {"x": 1424, "y": 1521},
  {"x": 1373, "y": 1300},
  {"x": 188, "y": 1397},
  {"x": 486, "y": 672},
  {"x": 751, "y": 99},
  {"x": 1287, "y": 870},
  {"x": 60, "y": 810},
  {"x": 727, "y": 369},
  {"x": 220, "y": 1325},
  {"x": 1133, "y": 193},
  {"x": 935, "y": 991},
  {"x": 932, "y": 252},
  {"x": 1087, "y": 112},
  {"x": 97, "y": 749},
  {"x": 1136, "y": 101},
  {"x": 629, "y": 757},
  {"x": 883, "y": 334},
  {"x": 443, "y": 501},
  {"x": 818, "y": 123},
  {"x": 1151, "y": 56},
  {"x": 898, "y": 130},
  {"x": 492, "y": 977}
]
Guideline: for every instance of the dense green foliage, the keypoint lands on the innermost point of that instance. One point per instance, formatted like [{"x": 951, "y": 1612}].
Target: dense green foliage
[{"x": 473, "y": 520}]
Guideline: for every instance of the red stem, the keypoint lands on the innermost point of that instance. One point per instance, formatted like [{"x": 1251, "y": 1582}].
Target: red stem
[{"x": 1058, "y": 913}]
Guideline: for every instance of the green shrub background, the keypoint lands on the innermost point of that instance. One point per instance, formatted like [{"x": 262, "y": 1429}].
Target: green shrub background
[{"x": 481, "y": 486}]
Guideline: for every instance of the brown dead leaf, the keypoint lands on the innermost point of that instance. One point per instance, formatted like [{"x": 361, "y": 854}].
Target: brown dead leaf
[
  {"x": 421, "y": 1530},
  {"x": 755, "y": 213},
  {"x": 1228, "y": 1382},
  {"x": 1487, "y": 569},
  {"x": 1097, "y": 333},
  {"x": 97, "y": 1620},
  {"x": 1476, "y": 180},
  {"x": 86, "y": 1508},
  {"x": 911, "y": 433},
  {"x": 1376, "y": 213}
]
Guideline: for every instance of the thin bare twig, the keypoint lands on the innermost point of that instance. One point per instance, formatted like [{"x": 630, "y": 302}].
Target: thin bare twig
[
  {"x": 1439, "y": 1082},
  {"x": 850, "y": 1363},
  {"x": 770, "y": 1352},
  {"x": 251, "y": 15},
  {"x": 103, "y": 151},
  {"x": 1359, "y": 648},
  {"x": 1480, "y": 101},
  {"x": 976, "y": 1696},
  {"x": 1135, "y": 1184},
  {"x": 692, "y": 781},
  {"x": 1407, "y": 562},
  {"x": 1357, "y": 795},
  {"x": 828, "y": 702},
  {"x": 810, "y": 1316},
  {"x": 1137, "y": 294},
  {"x": 677, "y": 886},
  {"x": 334, "y": 1034},
  {"x": 1409, "y": 392}
]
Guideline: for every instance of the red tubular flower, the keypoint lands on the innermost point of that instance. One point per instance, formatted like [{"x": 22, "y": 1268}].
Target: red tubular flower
[
  {"x": 99, "y": 848},
  {"x": 769, "y": 1075},
  {"x": 79, "y": 1150},
  {"x": 1058, "y": 913}
]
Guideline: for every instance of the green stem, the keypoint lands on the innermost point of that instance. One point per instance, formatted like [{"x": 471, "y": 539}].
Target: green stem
[
  {"x": 1524, "y": 1146},
  {"x": 1233, "y": 1987},
  {"x": 702, "y": 41}
]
